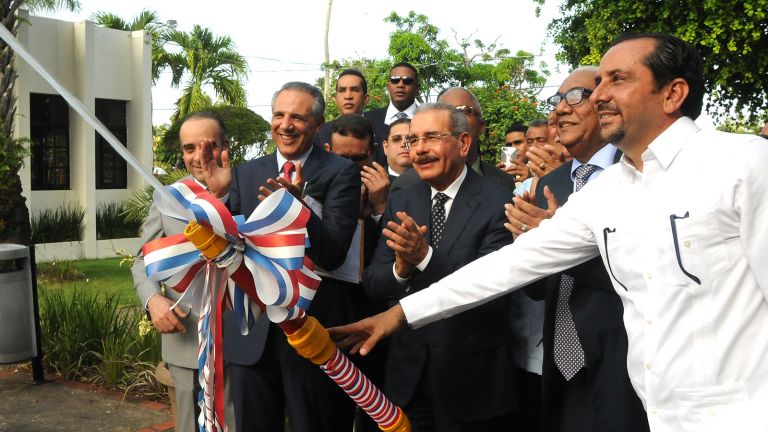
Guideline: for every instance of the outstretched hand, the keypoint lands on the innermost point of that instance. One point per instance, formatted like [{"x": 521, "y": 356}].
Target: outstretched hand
[
  {"x": 217, "y": 177},
  {"x": 362, "y": 336},
  {"x": 524, "y": 215}
]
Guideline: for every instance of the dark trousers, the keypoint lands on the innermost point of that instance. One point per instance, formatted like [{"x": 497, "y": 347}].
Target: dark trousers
[
  {"x": 571, "y": 409},
  {"x": 283, "y": 381},
  {"x": 530, "y": 400}
]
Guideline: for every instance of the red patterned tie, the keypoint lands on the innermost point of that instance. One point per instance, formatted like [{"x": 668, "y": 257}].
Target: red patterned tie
[{"x": 288, "y": 168}]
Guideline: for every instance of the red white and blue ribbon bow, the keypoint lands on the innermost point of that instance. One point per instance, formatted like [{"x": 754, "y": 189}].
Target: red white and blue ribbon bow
[{"x": 272, "y": 272}]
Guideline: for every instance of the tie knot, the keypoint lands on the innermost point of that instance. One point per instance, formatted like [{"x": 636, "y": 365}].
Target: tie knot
[
  {"x": 401, "y": 115},
  {"x": 582, "y": 173},
  {"x": 441, "y": 198},
  {"x": 288, "y": 168}
]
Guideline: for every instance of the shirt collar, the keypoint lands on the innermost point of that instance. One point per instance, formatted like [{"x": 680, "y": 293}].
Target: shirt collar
[
  {"x": 392, "y": 112},
  {"x": 453, "y": 189},
  {"x": 281, "y": 160},
  {"x": 664, "y": 148},
  {"x": 392, "y": 173},
  {"x": 602, "y": 159}
]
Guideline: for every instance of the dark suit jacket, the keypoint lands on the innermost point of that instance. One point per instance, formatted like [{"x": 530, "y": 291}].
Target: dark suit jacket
[
  {"x": 597, "y": 312},
  {"x": 331, "y": 180},
  {"x": 377, "y": 118},
  {"x": 486, "y": 170},
  {"x": 466, "y": 359}
]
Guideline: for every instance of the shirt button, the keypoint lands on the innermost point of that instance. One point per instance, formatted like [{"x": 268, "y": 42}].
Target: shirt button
[
  {"x": 687, "y": 243},
  {"x": 649, "y": 322},
  {"x": 649, "y": 276},
  {"x": 648, "y": 366},
  {"x": 653, "y": 412}
]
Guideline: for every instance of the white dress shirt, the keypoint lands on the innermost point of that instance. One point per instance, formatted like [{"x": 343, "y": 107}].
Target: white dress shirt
[
  {"x": 392, "y": 112},
  {"x": 685, "y": 242}
]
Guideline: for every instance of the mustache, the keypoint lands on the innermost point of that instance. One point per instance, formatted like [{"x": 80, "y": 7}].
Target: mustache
[
  {"x": 608, "y": 106},
  {"x": 425, "y": 159}
]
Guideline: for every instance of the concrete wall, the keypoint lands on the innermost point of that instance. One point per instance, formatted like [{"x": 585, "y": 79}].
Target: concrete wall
[{"x": 92, "y": 63}]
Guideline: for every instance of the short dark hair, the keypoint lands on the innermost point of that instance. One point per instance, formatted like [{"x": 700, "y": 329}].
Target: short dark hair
[
  {"x": 399, "y": 121},
  {"x": 354, "y": 125},
  {"x": 406, "y": 65},
  {"x": 517, "y": 127},
  {"x": 674, "y": 58},
  {"x": 208, "y": 115},
  {"x": 356, "y": 73},
  {"x": 318, "y": 105},
  {"x": 538, "y": 123}
]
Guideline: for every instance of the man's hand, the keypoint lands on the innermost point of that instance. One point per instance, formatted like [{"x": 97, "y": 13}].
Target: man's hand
[
  {"x": 519, "y": 170},
  {"x": 165, "y": 319},
  {"x": 376, "y": 182},
  {"x": 217, "y": 178},
  {"x": 408, "y": 241},
  {"x": 524, "y": 215},
  {"x": 544, "y": 160},
  {"x": 294, "y": 187},
  {"x": 363, "y": 335}
]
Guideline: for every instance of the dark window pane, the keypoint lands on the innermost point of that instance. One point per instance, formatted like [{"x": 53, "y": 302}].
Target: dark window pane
[
  {"x": 49, "y": 132},
  {"x": 111, "y": 169}
]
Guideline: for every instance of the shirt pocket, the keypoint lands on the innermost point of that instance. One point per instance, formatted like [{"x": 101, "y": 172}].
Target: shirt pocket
[
  {"x": 700, "y": 248},
  {"x": 701, "y": 408}
]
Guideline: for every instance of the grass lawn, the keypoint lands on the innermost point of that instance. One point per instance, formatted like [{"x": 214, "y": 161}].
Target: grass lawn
[{"x": 104, "y": 276}]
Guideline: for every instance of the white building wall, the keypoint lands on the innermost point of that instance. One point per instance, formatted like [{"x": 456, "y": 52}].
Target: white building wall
[{"x": 92, "y": 63}]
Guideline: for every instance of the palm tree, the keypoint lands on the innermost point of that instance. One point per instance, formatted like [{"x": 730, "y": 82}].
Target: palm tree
[
  {"x": 146, "y": 20},
  {"x": 204, "y": 60},
  {"x": 14, "y": 215}
]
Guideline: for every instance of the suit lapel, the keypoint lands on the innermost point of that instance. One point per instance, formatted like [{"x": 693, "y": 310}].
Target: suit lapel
[{"x": 465, "y": 203}]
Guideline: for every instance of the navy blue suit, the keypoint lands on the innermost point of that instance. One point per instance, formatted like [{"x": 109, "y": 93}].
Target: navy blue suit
[{"x": 263, "y": 368}]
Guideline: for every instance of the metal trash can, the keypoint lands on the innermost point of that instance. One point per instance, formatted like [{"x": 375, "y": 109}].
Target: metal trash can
[{"x": 19, "y": 316}]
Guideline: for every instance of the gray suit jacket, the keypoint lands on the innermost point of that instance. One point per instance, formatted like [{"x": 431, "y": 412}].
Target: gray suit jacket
[{"x": 179, "y": 349}]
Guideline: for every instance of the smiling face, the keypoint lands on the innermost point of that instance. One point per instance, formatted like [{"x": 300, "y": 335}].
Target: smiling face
[
  {"x": 629, "y": 107},
  {"x": 191, "y": 134},
  {"x": 402, "y": 95},
  {"x": 293, "y": 124},
  {"x": 350, "y": 98},
  {"x": 398, "y": 157},
  {"x": 441, "y": 163},
  {"x": 577, "y": 125}
]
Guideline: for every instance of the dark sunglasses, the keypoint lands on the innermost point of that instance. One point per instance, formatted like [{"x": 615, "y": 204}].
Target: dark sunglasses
[
  {"x": 396, "y": 80},
  {"x": 572, "y": 97},
  {"x": 466, "y": 109}
]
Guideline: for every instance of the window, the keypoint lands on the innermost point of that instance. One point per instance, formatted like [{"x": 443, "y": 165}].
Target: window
[
  {"x": 111, "y": 169},
  {"x": 49, "y": 130}
]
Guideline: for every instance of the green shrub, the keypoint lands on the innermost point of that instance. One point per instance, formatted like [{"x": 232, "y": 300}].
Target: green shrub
[
  {"x": 87, "y": 337},
  {"x": 111, "y": 222},
  {"x": 58, "y": 272},
  {"x": 64, "y": 223}
]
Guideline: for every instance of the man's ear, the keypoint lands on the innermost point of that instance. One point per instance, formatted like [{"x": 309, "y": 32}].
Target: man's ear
[
  {"x": 327, "y": 147},
  {"x": 465, "y": 143},
  {"x": 675, "y": 93}
]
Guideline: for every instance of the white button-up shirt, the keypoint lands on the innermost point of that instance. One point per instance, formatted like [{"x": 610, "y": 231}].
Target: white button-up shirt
[{"x": 686, "y": 244}]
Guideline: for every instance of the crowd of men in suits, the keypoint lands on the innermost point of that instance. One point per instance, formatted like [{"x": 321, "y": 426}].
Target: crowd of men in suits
[{"x": 399, "y": 199}]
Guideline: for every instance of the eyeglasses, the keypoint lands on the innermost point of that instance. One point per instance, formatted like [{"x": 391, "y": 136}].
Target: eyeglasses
[
  {"x": 466, "y": 109},
  {"x": 430, "y": 139},
  {"x": 572, "y": 97},
  {"x": 406, "y": 80},
  {"x": 396, "y": 139}
]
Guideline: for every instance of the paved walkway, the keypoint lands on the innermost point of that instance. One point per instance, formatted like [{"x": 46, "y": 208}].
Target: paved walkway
[{"x": 61, "y": 405}]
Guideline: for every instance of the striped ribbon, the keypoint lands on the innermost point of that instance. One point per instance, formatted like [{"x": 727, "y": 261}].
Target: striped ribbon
[{"x": 272, "y": 272}]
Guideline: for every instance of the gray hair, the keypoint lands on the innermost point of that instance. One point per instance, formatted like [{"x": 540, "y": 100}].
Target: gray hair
[
  {"x": 459, "y": 123},
  {"x": 318, "y": 105}
]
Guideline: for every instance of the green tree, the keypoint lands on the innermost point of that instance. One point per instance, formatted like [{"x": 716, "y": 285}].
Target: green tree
[
  {"x": 248, "y": 133},
  {"x": 203, "y": 59},
  {"x": 146, "y": 20},
  {"x": 14, "y": 215},
  {"x": 731, "y": 36}
]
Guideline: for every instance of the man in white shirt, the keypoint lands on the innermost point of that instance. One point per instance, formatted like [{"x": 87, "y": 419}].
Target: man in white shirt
[
  {"x": 402, "y": 86},
  {"x": 685, "y": 249}
]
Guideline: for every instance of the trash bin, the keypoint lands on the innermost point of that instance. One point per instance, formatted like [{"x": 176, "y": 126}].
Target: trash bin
[{"x": 19, "y": 317}]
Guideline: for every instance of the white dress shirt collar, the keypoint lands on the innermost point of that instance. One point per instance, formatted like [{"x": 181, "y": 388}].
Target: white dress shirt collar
[
  {"x": 602, "y": 160},
  {"x": 281, "y": 160},
  {"x": 664, "y": 148},
  {"x": 392, "y": 112},
  {"x": 392, "y": 173}
]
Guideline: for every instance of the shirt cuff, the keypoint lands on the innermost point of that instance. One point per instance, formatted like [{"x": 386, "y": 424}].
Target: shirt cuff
[
  {"x": 225, "y": 198},
  {"x": 423, "y": 264},
  {"x": 399, "y": 280}
]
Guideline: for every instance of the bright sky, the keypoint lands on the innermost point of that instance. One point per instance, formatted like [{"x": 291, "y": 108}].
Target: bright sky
[{"x": 283, "y": 41}]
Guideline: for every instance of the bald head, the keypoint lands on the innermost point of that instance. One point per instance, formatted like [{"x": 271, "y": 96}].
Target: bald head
[{"x": 468, "y": 103}]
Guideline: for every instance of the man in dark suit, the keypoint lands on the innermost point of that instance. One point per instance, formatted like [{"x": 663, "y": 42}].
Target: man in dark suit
[
  {"x": 467, "y": 103},
  {"x": 264, "y": 370},
  {"x": 433, "y": 227},
  {"x": 177, "y": 323},
  {"x": 403, "y": 86},
  {"x": 585, "y": 387},
  {"x": 398, "y": 156}
]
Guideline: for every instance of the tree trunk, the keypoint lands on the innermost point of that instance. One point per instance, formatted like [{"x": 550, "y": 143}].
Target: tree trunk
[{"x": 14, "y": 215}]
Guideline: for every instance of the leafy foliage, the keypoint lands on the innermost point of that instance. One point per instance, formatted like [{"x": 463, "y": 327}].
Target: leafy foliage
[
  {"x": 205, "y": 60},
  {"x": 731, "y": 36},
  {"x": 111, "y": 222},
  {"x": 64, "y": 223},
  {"x": 137, "y": 205},
  {"x": 503, "y": 107}
]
